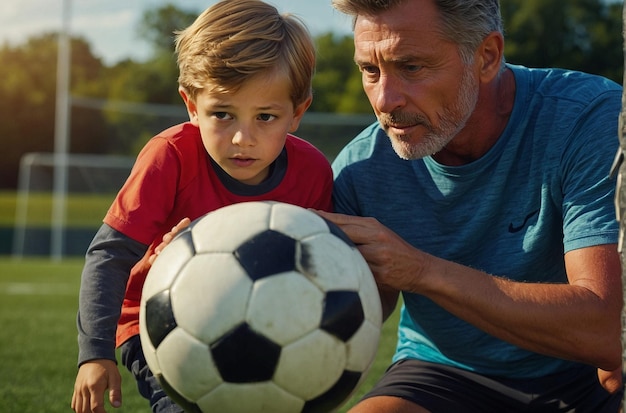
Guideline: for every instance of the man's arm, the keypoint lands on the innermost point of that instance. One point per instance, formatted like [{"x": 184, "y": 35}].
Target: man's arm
[{"x": 578, "y": 321}]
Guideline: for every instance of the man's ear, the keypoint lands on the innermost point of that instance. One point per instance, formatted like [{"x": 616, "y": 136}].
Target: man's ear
[
  {"x": 299, "y": 113},
  {"x": 490, "y": 54},
  {"x": 190, "y": 103}
]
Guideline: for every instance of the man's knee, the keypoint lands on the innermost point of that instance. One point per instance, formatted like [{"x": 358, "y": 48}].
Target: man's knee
[{"x": 387, "y": 404}]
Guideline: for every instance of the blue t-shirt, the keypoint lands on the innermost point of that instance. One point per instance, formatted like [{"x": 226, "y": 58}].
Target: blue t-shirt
[{"x": 542, "y": 190}]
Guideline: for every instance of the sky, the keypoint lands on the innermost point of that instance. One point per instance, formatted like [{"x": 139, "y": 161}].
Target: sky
[{"x": 110, "y": 26}]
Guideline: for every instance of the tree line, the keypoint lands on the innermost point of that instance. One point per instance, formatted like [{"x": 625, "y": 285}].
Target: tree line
[{"x": 116, "y": 108}]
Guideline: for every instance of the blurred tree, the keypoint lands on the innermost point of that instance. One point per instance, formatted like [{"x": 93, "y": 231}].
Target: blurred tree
[
  {"x": 337, "y": 81},
  {"x": 153, "y": 81},
  {"x": 135, "y": 90},
  {"x": 158, "y": 26},
  {"x": 575, "y": 34},
  {"x": 28, "y": 98}
]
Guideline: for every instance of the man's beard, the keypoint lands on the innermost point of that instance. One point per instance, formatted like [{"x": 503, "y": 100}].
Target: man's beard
[{"x": 451, "y": 121}]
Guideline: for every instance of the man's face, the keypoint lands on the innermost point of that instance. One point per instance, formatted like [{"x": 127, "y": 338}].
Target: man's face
[{"x": 420, "y": 89}]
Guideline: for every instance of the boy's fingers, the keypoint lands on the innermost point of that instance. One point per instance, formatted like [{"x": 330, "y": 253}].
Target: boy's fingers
[
  {"x": 115, "y": 391},
  {"x": 184, "y": 223}
]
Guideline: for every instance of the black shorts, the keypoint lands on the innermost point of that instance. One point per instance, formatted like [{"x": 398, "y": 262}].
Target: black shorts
[{"x": 443, "y": 389}]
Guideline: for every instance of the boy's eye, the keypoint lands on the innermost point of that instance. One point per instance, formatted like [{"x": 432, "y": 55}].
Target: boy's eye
[
  {"x": 266, "y": 117},
  {"x": 221, "y": 115}
]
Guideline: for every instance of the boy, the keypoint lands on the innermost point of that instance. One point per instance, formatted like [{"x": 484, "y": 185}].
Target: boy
[{"x": 245, "y": 78}]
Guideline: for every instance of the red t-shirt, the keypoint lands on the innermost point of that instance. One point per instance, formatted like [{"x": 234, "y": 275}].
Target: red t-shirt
[{"x": 173, "y": 178}]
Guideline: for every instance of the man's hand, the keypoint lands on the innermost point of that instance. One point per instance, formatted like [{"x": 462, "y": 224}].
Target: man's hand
[
  {"x": 393, "y": 261},
  {"x": 610, "y": 380},
  {"x": 379, "y": 246}
]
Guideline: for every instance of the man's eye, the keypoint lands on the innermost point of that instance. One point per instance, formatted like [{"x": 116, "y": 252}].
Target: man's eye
[
  {"x": 369, "y": 69},
  {"x": 412, "y": 68}
]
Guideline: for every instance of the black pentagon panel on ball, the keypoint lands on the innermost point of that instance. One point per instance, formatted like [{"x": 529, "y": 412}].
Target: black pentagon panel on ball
[
  {"x": 307, "y": 260},
  {"x": 266, "y": 254},
  {"x": 159, "y": 317},
  {"x": 343, "y": 314},
  {"x": 245, "y": 356},
  {"x": 188, "y": 406},
  {"x": 338, "y": 232},
  {"x": 336, "y": 395}
]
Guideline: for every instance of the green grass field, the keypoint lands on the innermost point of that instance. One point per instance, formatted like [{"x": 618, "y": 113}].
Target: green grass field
[
  {"x": 38, "y": 301},
  {"x": 82, "y": 210}
]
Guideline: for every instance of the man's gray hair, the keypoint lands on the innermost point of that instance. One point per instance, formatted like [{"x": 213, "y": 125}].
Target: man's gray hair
[{"x": 464, "y": 22}]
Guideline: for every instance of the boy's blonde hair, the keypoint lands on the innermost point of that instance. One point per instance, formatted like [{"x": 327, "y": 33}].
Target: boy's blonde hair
[{"x": 234, "y": 40}]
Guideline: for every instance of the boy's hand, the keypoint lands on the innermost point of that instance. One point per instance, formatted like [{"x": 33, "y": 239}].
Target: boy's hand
[
  {"x": 167, "y": 238},
  {"x": 93, "y": 379},
  {"x": 610, "y": 380}
]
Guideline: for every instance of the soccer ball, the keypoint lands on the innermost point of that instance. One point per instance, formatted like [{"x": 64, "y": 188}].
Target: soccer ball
[{"x": 260, "y": 307}]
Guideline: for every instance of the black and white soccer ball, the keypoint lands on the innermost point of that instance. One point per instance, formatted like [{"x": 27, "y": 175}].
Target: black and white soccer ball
[{"x": 260, "y": 307}]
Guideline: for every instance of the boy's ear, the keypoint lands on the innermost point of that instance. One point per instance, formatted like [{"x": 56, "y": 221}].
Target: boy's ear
[
  {"x": 192, "y": 110},
  {"x": 299, "y": 113}
]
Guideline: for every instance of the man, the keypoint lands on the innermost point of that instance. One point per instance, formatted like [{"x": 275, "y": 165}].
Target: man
[{"x": 482, "y": 196}]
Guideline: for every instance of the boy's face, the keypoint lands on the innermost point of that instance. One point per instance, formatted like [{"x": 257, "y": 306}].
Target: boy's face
[{"x": 245, "y": 131}]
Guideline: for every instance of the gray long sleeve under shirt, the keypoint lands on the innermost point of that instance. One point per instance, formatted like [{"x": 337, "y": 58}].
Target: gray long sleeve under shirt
[{"x": 108, "y": 262}]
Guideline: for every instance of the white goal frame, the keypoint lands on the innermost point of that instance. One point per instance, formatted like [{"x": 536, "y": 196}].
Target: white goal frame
[{"x": 58, "y": 218}]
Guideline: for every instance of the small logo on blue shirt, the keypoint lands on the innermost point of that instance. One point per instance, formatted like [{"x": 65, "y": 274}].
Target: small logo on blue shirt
[{"x": 513, "y": 229}]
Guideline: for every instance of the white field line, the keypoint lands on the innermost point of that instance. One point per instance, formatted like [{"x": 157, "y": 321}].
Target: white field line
[{"x": 17, "y": 288}]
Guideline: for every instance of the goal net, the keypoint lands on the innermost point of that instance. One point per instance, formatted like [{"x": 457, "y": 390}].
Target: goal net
[{"x": 91, "y": 185}]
